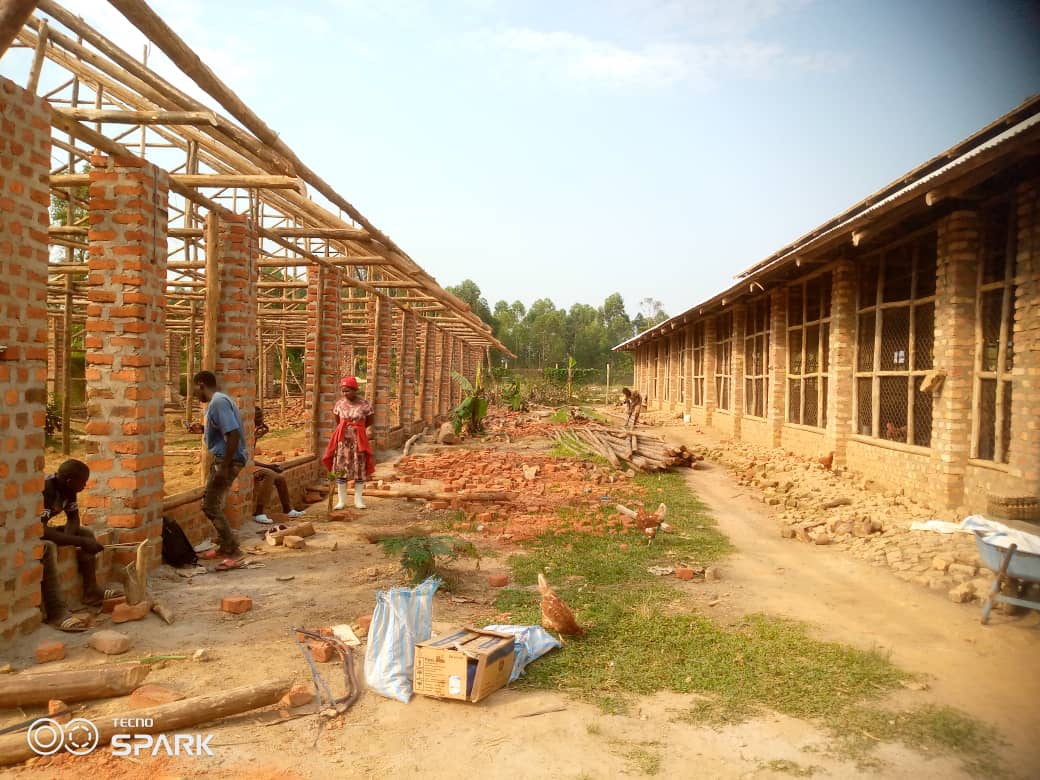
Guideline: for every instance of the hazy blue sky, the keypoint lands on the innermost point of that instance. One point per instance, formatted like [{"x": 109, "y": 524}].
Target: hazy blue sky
[{"x": 568, "y": 150}]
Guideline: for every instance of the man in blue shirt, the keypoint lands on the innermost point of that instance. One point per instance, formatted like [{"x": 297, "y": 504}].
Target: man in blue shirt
[{"x": 226, "y": 442}]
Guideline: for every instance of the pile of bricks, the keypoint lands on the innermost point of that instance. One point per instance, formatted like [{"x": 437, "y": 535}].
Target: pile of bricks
[
  {"x": 516, "y": 425},
  {"x": 862, "y": 516},
  {"x": 577, "y": 486}
]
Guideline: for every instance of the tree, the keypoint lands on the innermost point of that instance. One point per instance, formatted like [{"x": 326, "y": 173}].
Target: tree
[
  {"x": 470, "y": 294},
  {"x": 653, "y": 312}
]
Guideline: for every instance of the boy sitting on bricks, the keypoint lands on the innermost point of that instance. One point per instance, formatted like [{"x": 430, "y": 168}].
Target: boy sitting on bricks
[
  {"x": 59, "y": 496},
  {"x": 266, "y": 476}
]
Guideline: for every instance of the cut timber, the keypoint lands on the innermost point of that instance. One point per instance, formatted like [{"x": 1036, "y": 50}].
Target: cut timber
[
  {"x": 433, "y": 495},
  {"x": 274, "y": 539},
  {"x": 166, "y": 717},
  {"x": 408, "y": 444},
  {"x": 99, "y": 682},
  {"x": 140, "y": 117},
  {"x": 244, "y": 181},
  {"x": 375, "y": 535}
]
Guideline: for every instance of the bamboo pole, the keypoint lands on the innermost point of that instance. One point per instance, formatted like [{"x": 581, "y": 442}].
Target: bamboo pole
[
  {"x": 236, "y": 180},
  {"x": 33, "y": 82},
  {"x": 285, "y": 380},
  {"x": 139, "y": 117},
  {"x": 209, "y": 351},
  {"x": 190, "y": 367}
]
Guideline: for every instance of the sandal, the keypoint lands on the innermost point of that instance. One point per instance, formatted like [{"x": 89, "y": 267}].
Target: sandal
[
  {"x": 71, "y": 624},
  {"x": 229, "y": 564}
]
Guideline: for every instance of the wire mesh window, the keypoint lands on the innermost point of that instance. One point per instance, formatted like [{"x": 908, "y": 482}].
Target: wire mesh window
[
  {"x": 684, "y": 365},
  {"x": 697, "y": 338},
  {"x": 756, "y": 358},
  {"x": 666, "y": 348},
  {"x": 895, "y": 337},
  {"x": 994, "y": 335},
  {"x": 808, "y": 344},
  {"x": 723, "y": 360}
]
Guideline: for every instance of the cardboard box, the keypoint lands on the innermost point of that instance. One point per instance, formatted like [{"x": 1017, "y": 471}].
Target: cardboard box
[{"x": 465, "y": 664}]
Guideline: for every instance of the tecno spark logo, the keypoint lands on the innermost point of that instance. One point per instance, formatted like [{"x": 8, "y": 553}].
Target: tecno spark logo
[
  {"x": 46, "y": 737},
  {"x": 80, "y": 737}
]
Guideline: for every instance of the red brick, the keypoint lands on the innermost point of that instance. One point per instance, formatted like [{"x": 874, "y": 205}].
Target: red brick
[
  {"x": 123, "y": 613},
  {"x": 498, "y": 580},
  {"x": 49, "y": 651},
  {"x": 322, "y": 651},
  {"x": 110, "y": 642},
  {"x": 684, "y": 574},
  {"x": 236, "y": 605}
]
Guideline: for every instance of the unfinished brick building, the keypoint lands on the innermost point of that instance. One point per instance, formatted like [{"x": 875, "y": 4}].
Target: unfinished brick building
[
  {"x": 161, "y": 280},
  {"x": 903, "y": 335}
]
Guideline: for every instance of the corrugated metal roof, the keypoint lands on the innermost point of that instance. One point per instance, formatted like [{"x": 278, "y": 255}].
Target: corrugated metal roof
[{"x": 926, "y": 179}]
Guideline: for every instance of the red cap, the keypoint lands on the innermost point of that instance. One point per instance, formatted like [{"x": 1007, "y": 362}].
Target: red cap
[{"x": 349, "y": 381}]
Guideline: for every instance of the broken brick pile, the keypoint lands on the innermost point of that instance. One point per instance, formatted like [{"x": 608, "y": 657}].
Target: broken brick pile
[
  {"x": 542, "y": 484},
  {"x": 516, "y": 425},
  {"x": 862, "y": 516}
]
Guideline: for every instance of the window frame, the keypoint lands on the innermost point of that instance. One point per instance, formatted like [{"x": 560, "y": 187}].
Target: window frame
[
  {"x": 757, "y": 341},
  {"x": 822, "y": 372},
  {"x": 699, "y": 351},
  {"x": 880, "y": 306},
  {"x": 724, "y": 357}
]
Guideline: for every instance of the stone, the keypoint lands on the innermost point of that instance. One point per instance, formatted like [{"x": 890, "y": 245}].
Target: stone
[
  {"x": 822, "y": 538},
  {"x": 124, "y": 613},
  {"x": 201, "y": 655},
  {"x": 294, "y": 542},
  {"x": 786, "y": 531},
  {"x": 940, "y": 564},
  {"x": 446, "y": 434},
  {"x": 236, "y": 605},
  {"x": 684, "y": 574},
  {"x": 961, "y": 572},
  {"x": 152, "y": 696},
  {"x": 963, "y": 593},
  {"x": 298, "y": 696},
  {"x": 49, "y": 651},
  {"x": 340, "y": 517},
  {"x": 712, "y": 574},
  {"x": 498, "y": 580},
  {"x": 110, "y": 642}
]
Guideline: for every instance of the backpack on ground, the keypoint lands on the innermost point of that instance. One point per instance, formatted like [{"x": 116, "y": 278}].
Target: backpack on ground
[{"x": 176, "y": 549}]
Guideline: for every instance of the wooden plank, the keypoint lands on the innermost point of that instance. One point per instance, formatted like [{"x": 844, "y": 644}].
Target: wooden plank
[{"x": 69, "y": 685}]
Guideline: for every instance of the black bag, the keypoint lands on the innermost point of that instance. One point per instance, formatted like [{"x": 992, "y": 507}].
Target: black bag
[{"x": 176, "y": 549}]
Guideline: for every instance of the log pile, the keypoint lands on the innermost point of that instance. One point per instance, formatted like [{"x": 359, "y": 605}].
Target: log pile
[{"x": 623, "y": 448}]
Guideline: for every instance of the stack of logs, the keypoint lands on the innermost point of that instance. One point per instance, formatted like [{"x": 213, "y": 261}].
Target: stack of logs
[{"x": 638, "y": 450}]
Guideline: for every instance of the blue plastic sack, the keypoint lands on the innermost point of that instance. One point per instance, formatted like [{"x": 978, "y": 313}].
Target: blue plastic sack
[
  {"x": 532, "y": 642},
  {"x": 402, "y": 618}
]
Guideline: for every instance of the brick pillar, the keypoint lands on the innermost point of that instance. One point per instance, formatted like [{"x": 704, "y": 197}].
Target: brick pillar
[
  {"x": 777, "y": 398},
  {"x": 406, "y": 368},
  {"x": 126, "y": 349},
  {"x": 236, "y": 358},
  {"x": 173, "y": 369},
  {"x": 1024, "y": 457},
  {"x": 322, "y": 353},
  {"x": 379, "y": 370},
  {"x": 24, "y": 200},
  {"x": 737, "y": 366},
  {"x": 459, "y": 367},
  {"x": 428, "y": 391},
  {"x": 956, "y": 269},
  {"x": 841, "y": 357},
  {"x": 710, "y": 396}
]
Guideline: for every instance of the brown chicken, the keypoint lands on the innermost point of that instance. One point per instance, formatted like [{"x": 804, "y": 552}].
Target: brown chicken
[
  {"x": 557, "y": 616},
  {"x": 827, "y": 460}
]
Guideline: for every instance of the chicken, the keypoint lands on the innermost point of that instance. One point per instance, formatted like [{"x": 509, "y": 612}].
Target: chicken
[
  {"x": 557, "y": 616},
  {"x": 827, "y": 460}
]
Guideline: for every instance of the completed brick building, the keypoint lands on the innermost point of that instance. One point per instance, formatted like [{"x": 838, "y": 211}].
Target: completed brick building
[{"x": 903, "y": 334}]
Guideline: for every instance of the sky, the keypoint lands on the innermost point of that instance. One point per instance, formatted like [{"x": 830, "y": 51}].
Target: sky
[{"x": 654, "y": 148}]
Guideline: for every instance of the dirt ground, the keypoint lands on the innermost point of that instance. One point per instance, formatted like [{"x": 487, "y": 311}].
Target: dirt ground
[{"x": 987, "y": 671}]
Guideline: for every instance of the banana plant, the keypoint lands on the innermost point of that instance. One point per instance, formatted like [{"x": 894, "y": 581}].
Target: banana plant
[{"x": 474, "y": 406}]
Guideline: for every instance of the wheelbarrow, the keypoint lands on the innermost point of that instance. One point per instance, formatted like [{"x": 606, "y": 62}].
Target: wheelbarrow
[{"x": 1009, "y": 562}]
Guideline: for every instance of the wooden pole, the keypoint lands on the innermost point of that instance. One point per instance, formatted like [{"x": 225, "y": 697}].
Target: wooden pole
[
  {"x": 189, "y": 390},
  {"x": 13, "y": 15},
  {"x": 38, "y": 57},
  {"x": 98, "y": 682},
  {"x": 316, "y": 380},
  {"x": 285, "y": 375},
  {"x": 606, "y": 400},
  {"x": 66, "y": 336},
  {"x": 166, "y": 717}
]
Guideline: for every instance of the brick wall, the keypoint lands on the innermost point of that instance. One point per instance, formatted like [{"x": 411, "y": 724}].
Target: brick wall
[
  {"x": 323, "y": 349},
  {"x": 428, "y": 392},
  {"x": 236, "y": 359},
  {"x": 125, "y": 342},
  {"x": 756, "y": 430},
  {"x": 1024, "y": 462},
  {"x": 25, "y": 139},
  {"x": 777, "y": 408},
  {"x": 841, "y": 360},
  {"x": 379, "y": 371},
  {"x": 406, "y": 369},
  {"x": 895, "y": 468},
  {"x": 802, "y": 441}
]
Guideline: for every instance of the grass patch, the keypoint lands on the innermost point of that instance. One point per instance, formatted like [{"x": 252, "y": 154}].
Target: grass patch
[
  {"x": 927, "y": 728},
  {"x": 643, "y": 638},
  {"x": 790, "y": 767}
]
